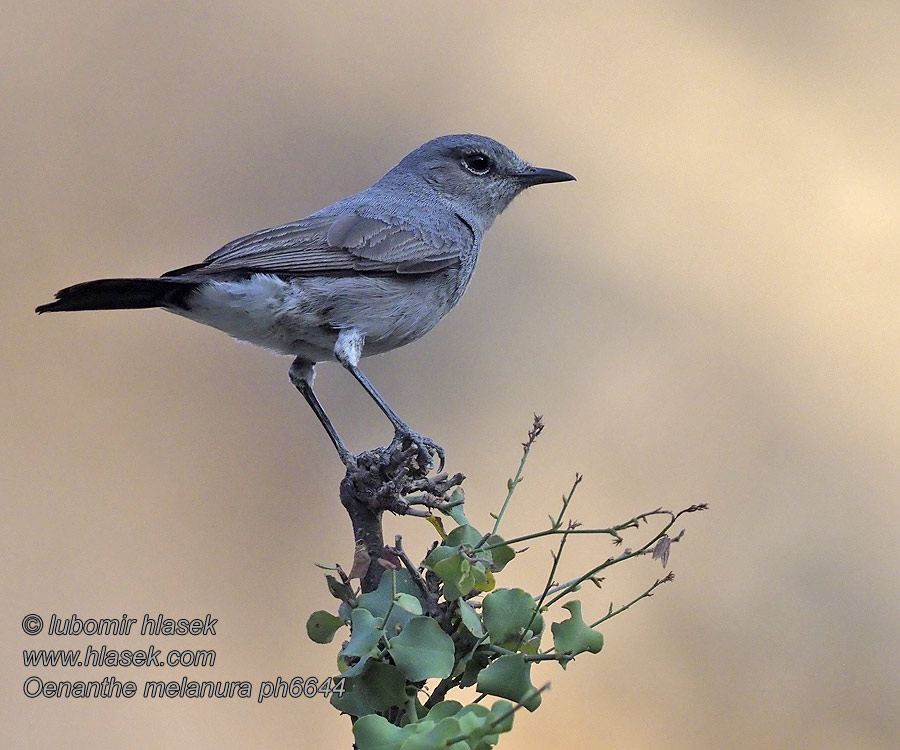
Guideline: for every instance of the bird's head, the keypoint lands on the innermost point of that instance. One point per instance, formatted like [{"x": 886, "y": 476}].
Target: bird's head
[{"x": 476, "y": 174}]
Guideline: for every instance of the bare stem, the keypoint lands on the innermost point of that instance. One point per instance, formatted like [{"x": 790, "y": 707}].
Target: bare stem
[
  {"x": 627, "y": 554},
  {"x": 536, "y": 429},
  {"x": 612, "y": 531},
  {"x": 556, "y": 557},
  {"x": 648, "y": 593},
  {"x": 544, "y": 656}
]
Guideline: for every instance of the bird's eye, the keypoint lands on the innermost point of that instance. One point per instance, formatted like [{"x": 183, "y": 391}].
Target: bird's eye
[{"x": 477, "y": 164}]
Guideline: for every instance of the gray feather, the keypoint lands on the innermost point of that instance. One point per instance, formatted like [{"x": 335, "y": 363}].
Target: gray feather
[{"x": 323, "y": 244}]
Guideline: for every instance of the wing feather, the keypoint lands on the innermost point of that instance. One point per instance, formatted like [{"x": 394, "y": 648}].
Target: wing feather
[{"x": 329, "y": 244}]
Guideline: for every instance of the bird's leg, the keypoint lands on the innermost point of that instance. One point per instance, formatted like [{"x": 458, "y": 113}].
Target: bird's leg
[
  {"x": 403, "y": 433},
  {"x": 348, "y": 350},
  {"x": 302, "y": 374}
]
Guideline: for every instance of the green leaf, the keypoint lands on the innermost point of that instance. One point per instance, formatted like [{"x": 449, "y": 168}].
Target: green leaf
[
  {"x": 532, "y": 645},
  {"x": 452, "y": 720},
  {"x": 463, "y": 535},
  {"x": 378, "y": 688},
  {"x": 474, "y": 721},
  {"x": 365, "y": 631},
  {"x": 321, "y": 626},
  {"x": 468, "y": 651},
  {"x": 444, "y": 709},
  {"x": 499, "y": 709},
  {"x": 378, "y": 602},
  {"x": 470, "y": 619},
  {"x": 357, "y": 669},
  {"x": 456, "y": 512},
  {"x": 433, "y": 736},
  {"x": 473, "y": 715},
  {"x": 500, "y": 555},
  {"x": 484, "y": 579},
  {"x": 506, "y": 614},
  {"x": 409, "y": 603},
  {"x": 573, "y": 636},
  {"x": 457, "y": 574},
  {"x": 510, "y": 677},
  {"x": 340, "y": 590},
  {"x": 420, "y": 711},
  {"x": 441, "y": 552},
  {"x": 472, "y": 664},
  {"x": 374, "y": 732},
  {"x": 422, "y": 650}
]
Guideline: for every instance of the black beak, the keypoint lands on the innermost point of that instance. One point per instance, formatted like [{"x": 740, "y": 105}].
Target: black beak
[{"x": 539, "y": 175}]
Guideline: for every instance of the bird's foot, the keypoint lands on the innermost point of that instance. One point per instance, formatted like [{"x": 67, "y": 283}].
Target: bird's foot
[{"x": 426, "y": 448}]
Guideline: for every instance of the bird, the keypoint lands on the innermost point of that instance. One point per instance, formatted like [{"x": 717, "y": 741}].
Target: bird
[{"x": 365, "y": 275}]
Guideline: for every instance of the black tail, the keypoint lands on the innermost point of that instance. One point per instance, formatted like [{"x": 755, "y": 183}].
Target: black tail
[{"x": 121, "y": 294}]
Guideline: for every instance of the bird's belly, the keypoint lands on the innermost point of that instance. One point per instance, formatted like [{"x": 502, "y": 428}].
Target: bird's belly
[{"x": 303, "y": 316}]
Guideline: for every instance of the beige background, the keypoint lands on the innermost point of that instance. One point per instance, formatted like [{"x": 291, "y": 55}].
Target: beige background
[{"x": 710, "y": 314}]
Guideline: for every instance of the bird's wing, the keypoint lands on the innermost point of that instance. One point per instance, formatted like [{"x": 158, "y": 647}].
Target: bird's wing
[{"x": 330, "y": 244}]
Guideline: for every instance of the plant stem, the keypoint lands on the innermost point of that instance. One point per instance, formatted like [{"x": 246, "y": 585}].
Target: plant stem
[
  {"x": 430, "y": 598},
  {"x": 611, "y": 531},
  {"x": 536, "y": 428},
  {"x": 649, "y": 592},
  {"x": 556, "y": 558},
  {"x": 545, "y": 656},
  {"x": 619, "y": 558}
]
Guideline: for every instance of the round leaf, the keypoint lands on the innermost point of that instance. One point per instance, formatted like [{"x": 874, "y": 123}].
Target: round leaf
[
  {"x": 506, "y": 614},
  {"x": 321, "y": 626},
  {"x": 457, "y": 574},
  {"x": 374, "y": 732},
  {"x": 422, "y": 650},
  {"x": 510, "y": 677}
]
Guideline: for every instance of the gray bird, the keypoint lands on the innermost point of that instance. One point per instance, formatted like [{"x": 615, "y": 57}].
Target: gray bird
[{"x": 365, "y": 275}]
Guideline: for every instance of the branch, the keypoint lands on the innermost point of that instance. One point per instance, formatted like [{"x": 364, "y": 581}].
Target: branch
[
  {"x": 645, "y": 549},
  {"x": 430, "y": 597},
  {"x": 379, "y": 481},
  {"x": 612, "y": 531},
  {"x": 648, "y": 593},
  {"x": 556, "y": 557},
  {"x": 536, "y": 428}
]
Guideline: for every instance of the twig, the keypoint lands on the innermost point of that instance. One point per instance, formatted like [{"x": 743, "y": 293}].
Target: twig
[
  {"x": 556, "y": 558},
  {"x": 612, "y": 531},
  {"x": 648, "y": 593},
  {"x": 566, "y": 500},
  {"x": 561, "y": 586},
  {"x": 627, "y": 553},
  {"x": 543, "y": 656},
  {"x": 536, "y": 429},
  {"x": 430, "y": 598}
]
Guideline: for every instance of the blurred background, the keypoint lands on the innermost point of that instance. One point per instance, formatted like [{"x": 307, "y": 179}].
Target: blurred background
[{"x": 710, "y": 314}]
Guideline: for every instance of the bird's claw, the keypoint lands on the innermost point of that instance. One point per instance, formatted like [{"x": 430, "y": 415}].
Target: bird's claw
[{"x": 426, "y": 448}]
